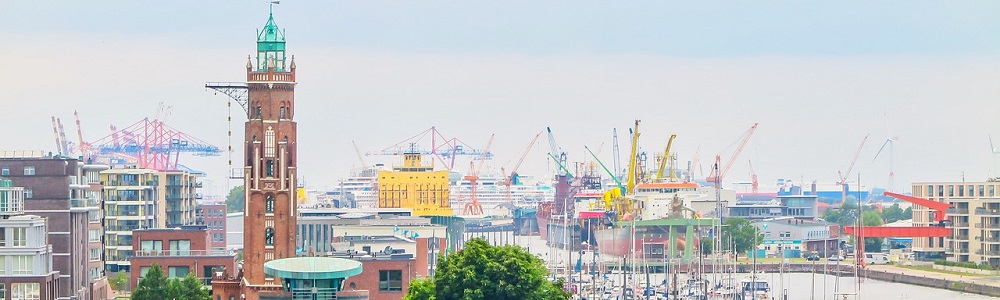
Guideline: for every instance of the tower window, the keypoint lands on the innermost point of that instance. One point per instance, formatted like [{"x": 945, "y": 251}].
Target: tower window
[
  {"x": 269, "y": 204},
  {"x": 269, "y": 142},
  {"x": 259, "y": 112},
  {"x": 270, "y": 168},
  {"x": 281, "y": 113},
  {"x": 269, "y": 236}
]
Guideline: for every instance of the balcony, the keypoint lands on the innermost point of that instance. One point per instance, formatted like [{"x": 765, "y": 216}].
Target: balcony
[
  {"x": 964, "y": 250},
  {"x": 83, "y": 203},
  {"x": 988, "y": 212},
  {"x": 960, "y": 224},
  {"x": 957, "y": 211},
  {"x": 960, "y": 237},
  {"x": 158, "y": 253}
]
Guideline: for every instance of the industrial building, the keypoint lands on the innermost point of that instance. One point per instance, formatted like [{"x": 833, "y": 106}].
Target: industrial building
[
  {"x": 415, "y": 186},
  {"x": 974, "y": 221},
  {"x": 142, "y": 199},
  {"x": 791, "y": 237},
  {"x": 804, "y": 207}
]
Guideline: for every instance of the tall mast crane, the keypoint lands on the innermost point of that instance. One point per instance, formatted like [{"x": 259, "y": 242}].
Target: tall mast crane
[
  {"x": 360, "y": 157},
  {"x": 845, "y": 174},
  {"x": 632, "y": 164},
  {"x": 666, "y": 157},
  {"x": 55, "y": 133},
  {"x": 509, "y": 180},
  {"x": 559, "y": 157},
  {"x": 617, "y": 155},
  {"x": 86, "y": 150},
  {"x": 66, "y": 149},
  {"x": 717, "y": 173},
  {"x": 472, "y": 207},
  {"x": 753, "y": 178}
]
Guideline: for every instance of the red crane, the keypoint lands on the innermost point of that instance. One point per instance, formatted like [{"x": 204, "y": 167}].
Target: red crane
[
  {"x": 718, "y": 174},
  {"x": 881, "y": 231},
  {"x": 844, "y": 175},
  {"x": 472, "y": 207},
  {"x": 509, "y": 177},
  {"x": 753, "y": 178}
]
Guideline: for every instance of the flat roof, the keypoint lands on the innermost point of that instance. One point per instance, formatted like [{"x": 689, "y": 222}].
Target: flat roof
[{"x": 312, "y": 268}]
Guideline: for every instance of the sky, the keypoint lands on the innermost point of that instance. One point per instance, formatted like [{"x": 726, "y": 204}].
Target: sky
[{"x": 818, "y": 76}]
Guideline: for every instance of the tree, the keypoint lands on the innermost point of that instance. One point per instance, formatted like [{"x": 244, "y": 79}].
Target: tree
[
  {"x": 152, "y": 286},
  {"x": 480, "y": 271},
  {"x": 188, "y": 288},
  {"x": 420, "y": 289},
  {"x": 119, "y": 281},
  {"x": 871, "y": 218},
  {"x": 893, "y": 213},
  {"x": 155, "y": 286},
  {"x": 742, "y": 233},
  {"x": 234, "y": 201},
  {"x": 705, "y": 245}
]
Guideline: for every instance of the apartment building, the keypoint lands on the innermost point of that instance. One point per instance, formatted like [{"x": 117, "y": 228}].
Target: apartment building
[
  {"x": 212, "y": 214},
  {"x": 143, "y": 199},
  {"x": 179, "y": 251},
  {"x": 55, "y": 189},
  {"x": 974, "y": 218}
]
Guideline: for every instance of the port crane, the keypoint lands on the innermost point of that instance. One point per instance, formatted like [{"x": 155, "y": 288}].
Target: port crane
[
  {"x": 443, "y": 148},
  {"x": 753, "y": 178},
  {"x": 888, "y": 142},
  {"x": 844, "y": 175},
  {"x": 511, "y": 177},
  {"x": 718, "y": 174},
  {"x": 472, "y": 207},
  {"x": 663, "y": 161}
]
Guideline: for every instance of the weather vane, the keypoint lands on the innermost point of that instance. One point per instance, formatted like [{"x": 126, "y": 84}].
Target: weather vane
[{"x": 271, "y": 6}]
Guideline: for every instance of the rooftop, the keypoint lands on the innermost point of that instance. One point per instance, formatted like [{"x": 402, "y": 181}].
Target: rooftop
[{"x": 312, "y": 268}]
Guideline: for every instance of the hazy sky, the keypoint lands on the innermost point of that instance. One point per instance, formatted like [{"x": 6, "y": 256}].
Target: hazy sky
[{"x": 817, "y": 75}]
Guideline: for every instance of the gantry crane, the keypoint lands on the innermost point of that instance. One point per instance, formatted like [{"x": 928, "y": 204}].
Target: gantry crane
[
  {"x": 844, "y": 175},
  {"x": 509, "y": 177},
  {"x": 663, "y": 161},
  {"x": 472, "y": 207}
]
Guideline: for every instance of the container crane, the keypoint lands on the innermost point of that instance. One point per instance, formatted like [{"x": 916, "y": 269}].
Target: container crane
[
  {"x": 55, "y": 133},
  {"x": 472, "y": 207},
  {"x": 845, "y": 174},
  {"x": 509, "y": 180},
  {"x": 666, "y": 157},
  {"x": 719, "y": 174}
]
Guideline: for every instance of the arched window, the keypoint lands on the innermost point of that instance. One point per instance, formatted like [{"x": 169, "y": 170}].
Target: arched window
[
  {"x": 269, "y": 236},
  {"x": 269, "y": 203},
  {"x": 281, "y": 113}
]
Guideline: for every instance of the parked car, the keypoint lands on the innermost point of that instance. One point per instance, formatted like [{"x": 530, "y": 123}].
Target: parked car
[
  {"x": 813, "y": 257},
  {"x": 835, "y": 258}
]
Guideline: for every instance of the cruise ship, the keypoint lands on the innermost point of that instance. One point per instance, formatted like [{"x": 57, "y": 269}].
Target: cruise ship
[{"x": 360, "y": 190}]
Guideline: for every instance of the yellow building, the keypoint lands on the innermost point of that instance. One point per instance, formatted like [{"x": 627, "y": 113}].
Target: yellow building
[
  {"x": 415, "y": 186},
  {"x": 974, "y": 220}
]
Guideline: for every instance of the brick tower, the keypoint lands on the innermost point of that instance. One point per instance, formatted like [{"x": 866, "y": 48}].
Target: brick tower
[{"x": 269, "y": 172}]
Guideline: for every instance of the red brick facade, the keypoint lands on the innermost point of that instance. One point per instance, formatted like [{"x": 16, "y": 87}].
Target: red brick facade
[
  {"x": 369, "y": 279},
  {"x": 198, "y": 258}
]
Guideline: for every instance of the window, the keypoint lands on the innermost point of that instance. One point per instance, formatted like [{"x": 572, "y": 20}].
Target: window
[
  {"x": 29, "y": 170},
  {"x": 270, "y": 168},
  {"x": 180, "y": 247},
  {"x": 269, "y": 236},
  {"x": 281, "y": 113},
  {"x": 22, "y": 264},
  {"x": 143, "y": 271},
  {"x": 3, "y": 291},
  {"x": 269, "y": 142},
  {"x": 390, "y": 280},
  {"x": 259, "y": 112},
  {"x": 28, "y": 194},
  {"x": 5, "y": 171},
  {"x": 19, "y": 237},
  {"x": 269, "y": 204},
  {"x": 94, "y": 235},
  {"x": 174, "y": 272},
  {"x": 95, "y": 254},
  {"x": 25, "y": 291}
]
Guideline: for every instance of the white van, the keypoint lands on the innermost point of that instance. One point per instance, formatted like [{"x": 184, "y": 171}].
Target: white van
[{"x": 876, "y": 259}]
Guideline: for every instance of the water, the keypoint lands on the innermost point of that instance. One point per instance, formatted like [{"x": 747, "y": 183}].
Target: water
[{"x": 799, "y": 286}]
